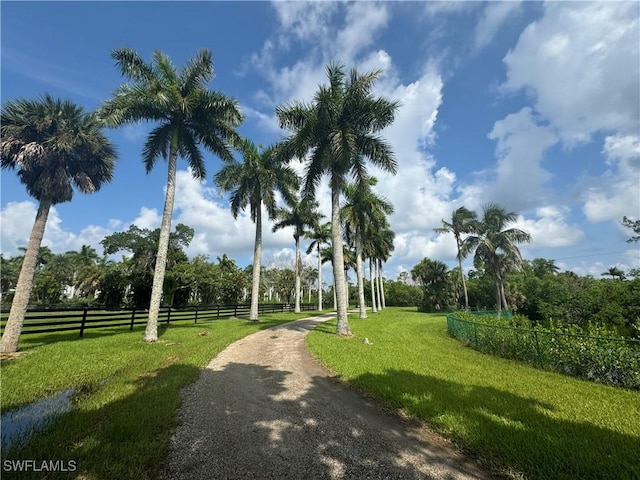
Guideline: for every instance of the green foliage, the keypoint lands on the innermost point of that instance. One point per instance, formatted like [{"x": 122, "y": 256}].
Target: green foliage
[
  {"x": 398, "y": 294},
  {"x": 127, "y": 392},
  {"x": 566, "y": 349},
  {"x": 519, "y": 421}
]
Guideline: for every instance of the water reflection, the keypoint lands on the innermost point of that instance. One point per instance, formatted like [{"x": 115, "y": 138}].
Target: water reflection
[{"x": 19, "y": 425}]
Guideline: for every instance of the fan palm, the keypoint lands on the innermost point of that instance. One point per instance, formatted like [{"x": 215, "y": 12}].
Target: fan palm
[
  {"x": 300, "y": 215},
  {"x": 463, "y": 221},
  {"x": 495, "y": 246},
  {"x": 187, "y": 115},
  {"x": 54, "y": 145},
  {"x": 320, "y": 235},
  {"x": 363, "y": 210},
  {"x": 253, "y": 183},
  {"x": 340, "y": 131}
]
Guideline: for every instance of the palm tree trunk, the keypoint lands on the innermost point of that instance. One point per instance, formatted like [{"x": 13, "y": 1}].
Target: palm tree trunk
[
  {"x": 377, "y": 282},
  {"x": 504, "y": 297},
  {"x": 257, "y": 254},
  {"x": 339, "y": 282},
  {"x": 13, "y": 328},
  {"x": 298, "y": 268},
  {"x": 464, "y": 283},
  {"x": 372, "y": 285},
  {"x": 384, "y": 300},
  {"x": 381, "y": 303},
  {"x": 360, "y": 273},
  {"x": 151, "y": 331},
  {"x": 335, "y": 298},
  {"x": 498, "y": 298},
  {"x": 319, "y": 279}
]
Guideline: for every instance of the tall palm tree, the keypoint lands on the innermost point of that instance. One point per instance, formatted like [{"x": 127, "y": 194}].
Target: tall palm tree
[
  {"x": 320, "y": 235},
  {"x": 300, "y": 215},
  {"x": 340, "y": 129},
  {"x": 384, "y": 248},
  {"x": 187, "y": 115},
  {"x": 254, "y": 183},
  {"x": 495, "y": 246},
  {"x": 363, "y": 210},
  {"x": 463, "y": 221},
  {"x": 54, "y": 145}
]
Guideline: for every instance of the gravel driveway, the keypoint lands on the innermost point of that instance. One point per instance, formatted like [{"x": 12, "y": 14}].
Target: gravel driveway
[{"x": 265, "y": 409}]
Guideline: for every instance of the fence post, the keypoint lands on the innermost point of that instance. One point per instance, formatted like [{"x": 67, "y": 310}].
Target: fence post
[
  {"x": 196, "y": 314},
  {"x": 168, "y": 315},
  {"x": 475, "y": 333},
  {"x": 235, "y": 310},
  {"x": 535, "y": 334},
  {"x": 218, "y": 312},
  {"x": 84, "y": 319},
  {"x": 133, "y": 319}
]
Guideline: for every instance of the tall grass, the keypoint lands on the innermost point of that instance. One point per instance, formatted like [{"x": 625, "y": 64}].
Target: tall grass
[
  {"x": 517, "y": 420},
  {"x": 127, "y": 393}
]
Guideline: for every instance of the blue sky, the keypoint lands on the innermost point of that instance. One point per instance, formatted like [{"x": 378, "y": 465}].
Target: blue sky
[{"x": 532, "y": 105}]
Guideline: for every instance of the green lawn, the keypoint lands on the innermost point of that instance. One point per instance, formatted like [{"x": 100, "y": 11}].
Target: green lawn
[
  {"x": 128, "y": 392},
  {"x": 517, "y": 420}
]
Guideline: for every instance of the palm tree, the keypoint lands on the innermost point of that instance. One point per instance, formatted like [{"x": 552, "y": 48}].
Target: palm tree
[
  {"x": 300, "y": 215},
  {"x": 495, "y": 246},
  {"x": 362, "y": 211},
  {"x": 614, "y": 272},
  {"x": 340, "y": 131},
  {"x": 462, "y": 221},
  {"x": 254, "y": 183},
  {"x": 433, "y": 276},
  {"x": 55, "y": 146},
  {"x": 187, "y": 114},
  {"x": 384, "y": 247},
  {"x": 320, "y": 235}
]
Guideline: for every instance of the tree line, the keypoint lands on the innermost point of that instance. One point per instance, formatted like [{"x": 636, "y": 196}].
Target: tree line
[{"x": 55, "y": 146}]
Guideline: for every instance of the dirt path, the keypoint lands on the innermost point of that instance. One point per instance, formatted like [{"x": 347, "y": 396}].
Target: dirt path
[{"x": 265, "y": 409}]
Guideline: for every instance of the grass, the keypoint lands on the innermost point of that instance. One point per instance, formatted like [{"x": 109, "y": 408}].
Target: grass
[
  {"x": 127, "y": 392},
  {"x": 518, "y": 421}
]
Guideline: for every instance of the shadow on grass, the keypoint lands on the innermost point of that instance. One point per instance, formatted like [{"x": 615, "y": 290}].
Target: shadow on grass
[
  {"x": 123, "y": 439},
  {"x": 298, "y": 427},
  {"x": 512, "y": 430}
]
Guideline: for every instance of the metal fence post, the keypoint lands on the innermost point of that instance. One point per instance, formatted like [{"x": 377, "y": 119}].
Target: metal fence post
[{"x": 539, "y": 354}]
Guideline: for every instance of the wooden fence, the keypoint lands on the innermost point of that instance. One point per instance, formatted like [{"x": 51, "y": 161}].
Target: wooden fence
[{"x": 62, "y": 320}]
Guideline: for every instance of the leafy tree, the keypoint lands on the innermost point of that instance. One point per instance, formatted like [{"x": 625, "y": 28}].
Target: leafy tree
[
  {"x": 495, "y": 246},
  {"x": 320, "y": 235},
  {"x": 300, "y": 215},
  {"x": 432, "y": 275},
  {"x": 142, "y": 243},
  {"x": 54, "y": 145},
  {"x": 463, "y": 221},
  {"x": 633, "y": 225},
  {"x": 188, "y": 116},
  {"x": 339, "y": 129},
  {"x": 254, "y": 183}
]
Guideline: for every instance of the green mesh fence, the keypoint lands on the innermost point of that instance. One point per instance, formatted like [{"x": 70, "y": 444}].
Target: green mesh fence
[{"x": 614, "y": 361}]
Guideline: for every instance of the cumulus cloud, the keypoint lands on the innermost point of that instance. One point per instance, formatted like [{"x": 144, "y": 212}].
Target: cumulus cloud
[
  {"x": 17, "y": 220},
  {"x": 550, "y": 228},
  {"x": 571, "y": 63}
]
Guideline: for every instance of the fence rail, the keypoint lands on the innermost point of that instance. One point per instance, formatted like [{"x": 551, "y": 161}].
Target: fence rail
[
  {"x": 65, "y": 320},
  {"x": 602, "y": 359}
]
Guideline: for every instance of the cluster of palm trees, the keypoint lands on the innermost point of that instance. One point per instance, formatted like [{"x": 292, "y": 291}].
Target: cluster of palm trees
[
  {"x": 493, "y": 242},
  {"x": 54, "y": 145}
]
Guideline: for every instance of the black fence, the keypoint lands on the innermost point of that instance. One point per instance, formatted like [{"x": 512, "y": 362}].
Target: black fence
[{"x": 62, "y": 320}]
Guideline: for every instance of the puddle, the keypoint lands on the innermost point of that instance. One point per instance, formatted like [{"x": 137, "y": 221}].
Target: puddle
[{"x": 19, "y": 425}]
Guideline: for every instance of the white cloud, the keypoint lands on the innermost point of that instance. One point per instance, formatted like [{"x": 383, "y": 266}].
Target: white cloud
[
  {"x": 580, "y": 64},
  {"x": 617, "y": 192},
  {"x": 147, "y": 218},
  {"x": 494, "y": 16},
  {"x": 17, "y": 218},
  {"x": 550, "y": 228}
]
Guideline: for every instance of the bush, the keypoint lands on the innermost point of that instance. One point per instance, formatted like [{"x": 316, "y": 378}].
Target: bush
[{"x": 598, "y": 357}]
